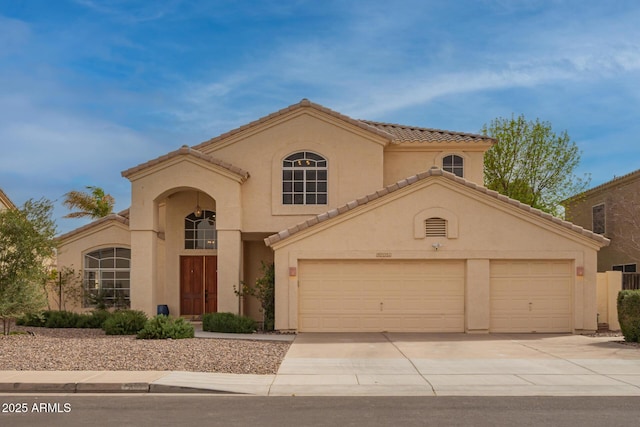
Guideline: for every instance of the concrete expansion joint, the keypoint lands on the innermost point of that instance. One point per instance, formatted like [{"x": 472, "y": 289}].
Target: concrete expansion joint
[{"x": 433, "y": 390}]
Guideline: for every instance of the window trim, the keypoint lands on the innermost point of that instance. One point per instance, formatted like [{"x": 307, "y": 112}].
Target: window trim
[
  {"x": 604, "y": 218},
  {"x": 97, "y": 279},
  {"x": 307, "y": 197},
  {"x": 453, "y": 156},
  {"x": 624, "y": 266},
  {"x": 208, "y": 240}
]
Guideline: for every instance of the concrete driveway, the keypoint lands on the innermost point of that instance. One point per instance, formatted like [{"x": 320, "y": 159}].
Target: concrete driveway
[{"x": 458, "y": 364}]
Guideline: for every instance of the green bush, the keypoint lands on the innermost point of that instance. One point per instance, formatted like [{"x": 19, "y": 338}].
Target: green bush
[
  {"x": 38, "y": 319},
  {"x": 228, "y": 322},
  {"x": 629, "y": 314},
  {"x": 163, "y": 327},
  {"x": 94, "y": 319},
  {"x": 124, "y": 322},
  {"x": 62, "y": 319}
]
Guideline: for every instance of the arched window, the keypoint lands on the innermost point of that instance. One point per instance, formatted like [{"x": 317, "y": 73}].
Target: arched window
[
  {"x": 304, "y": 179},
  {"x": 453, "y": 164},
  {"x": 200, "y": 231},
  {"x": 106, "y": 277}
]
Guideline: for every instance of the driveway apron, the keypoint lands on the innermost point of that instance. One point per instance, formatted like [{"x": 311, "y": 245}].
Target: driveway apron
[{"x": 457, "y": 364}]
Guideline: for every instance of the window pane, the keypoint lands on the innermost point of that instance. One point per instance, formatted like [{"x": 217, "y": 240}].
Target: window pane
[
  {"x": 296, "y": 156},
  {"x": 311, "y": 175},
  {"x": 311, "y": 187},
  {"x": 107, "y": 263},
  {"x": 322, "y": 175},
  {"x": 298, "y": 187},
  {"x": 287, "y": 175},
  {"x": 314, "y": 156},
  {"x": 122, "y": 263},
  {"x": 287, "y": 199},
  {"x": 457, "y": 161},
  {"x": 90, "y": 262},
  {"x": 311, "y": 199},
  {"x": 322, "y": 187},
  {"x": 123, "y": 253},
  {"x": 287, "y": 187},
  {"x": 298, "y": 199},
  {"x": 322, "y": 199}
]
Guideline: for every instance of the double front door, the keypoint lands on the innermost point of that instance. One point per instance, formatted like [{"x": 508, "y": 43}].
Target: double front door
[{"x": 198, "y": 285}]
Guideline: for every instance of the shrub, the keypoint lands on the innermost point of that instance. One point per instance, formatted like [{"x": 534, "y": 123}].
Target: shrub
[
  {"x": 38, "y": 319},
  {"x": 162, "y": 327},
  {"x": 94, "y": 319},
  {"x": 62, "y": 319},
  {"x": 629, "y": 314},
  {"x": 124, "y": 322},
  {"x": 228, "y": 322}
]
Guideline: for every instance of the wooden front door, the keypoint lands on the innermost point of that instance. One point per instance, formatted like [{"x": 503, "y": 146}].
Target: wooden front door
[{"x": 198, "y": 285}]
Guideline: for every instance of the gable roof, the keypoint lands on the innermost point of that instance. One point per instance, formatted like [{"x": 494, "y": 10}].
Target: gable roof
[
  {"x": 621, "y": 180},
  {"x": 403, "y": 133},
  {"x": 434, "y": 171},
  {"x": 119, "y": 217},
  {"x": 394, "y": 133},
  {"x": 5, "y": 200},
  {"x": 185, "y": 150}
]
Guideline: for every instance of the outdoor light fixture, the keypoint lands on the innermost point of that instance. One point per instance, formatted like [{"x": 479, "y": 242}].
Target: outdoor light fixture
[{"x": 198, "y": 210}]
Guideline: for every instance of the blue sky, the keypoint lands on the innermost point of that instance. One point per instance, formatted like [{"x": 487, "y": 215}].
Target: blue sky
[{"x": 90, "y": 88}]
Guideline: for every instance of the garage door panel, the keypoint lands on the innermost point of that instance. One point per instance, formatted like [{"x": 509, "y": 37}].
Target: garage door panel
[
  {"x": 410, "y": 296},
  {"x": 531, "y": 296}
]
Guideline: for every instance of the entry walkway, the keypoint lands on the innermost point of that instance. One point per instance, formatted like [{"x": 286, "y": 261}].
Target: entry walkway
[{"x": 392, "y": 365}]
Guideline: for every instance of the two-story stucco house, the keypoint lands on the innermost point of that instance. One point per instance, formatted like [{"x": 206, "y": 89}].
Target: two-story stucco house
[
  {"x": 612, "y": 209},
  {"x": 372, "y": 227}
]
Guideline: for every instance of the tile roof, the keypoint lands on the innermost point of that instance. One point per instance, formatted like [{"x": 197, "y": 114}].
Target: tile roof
[
  {"x": 304, "y": 103},
  {"x": 5, "y": 200},
  {"x": 112, "y": 217},
  {"x": 396, "y": 134},
  {"x": 607, "y": 185},
  {"x": 187, "y": 151},
  {"x": 403, "y": 133},
  {"x": 434, "y": 171}
]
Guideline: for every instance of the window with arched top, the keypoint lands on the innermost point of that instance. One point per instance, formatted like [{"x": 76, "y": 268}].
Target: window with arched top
[
  {"x": 106, "y": 278},
  {"x": 200, "y": 231},
  {"x": 304, "y": 179},
  {"x": 454, "y": 164}
]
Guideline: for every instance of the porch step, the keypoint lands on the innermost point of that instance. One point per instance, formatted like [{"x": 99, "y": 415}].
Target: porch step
[{"x": 603, "y": 327}]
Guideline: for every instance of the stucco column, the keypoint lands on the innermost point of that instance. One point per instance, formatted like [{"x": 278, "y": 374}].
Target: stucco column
[
  {"x": 229, "y": 269},
  {"x": 143, "y": 271},
  {"x": 614, "y": 286},
  {"x": 477, "y": 296}
]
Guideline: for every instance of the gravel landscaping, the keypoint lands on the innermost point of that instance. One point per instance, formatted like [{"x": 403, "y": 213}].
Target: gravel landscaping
[{"x": 92, "y": 350}]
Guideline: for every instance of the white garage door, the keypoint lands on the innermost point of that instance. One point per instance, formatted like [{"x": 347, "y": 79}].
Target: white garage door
[
  {"x": 381, "y": 295},
  {"x": 531, "y": 296}
]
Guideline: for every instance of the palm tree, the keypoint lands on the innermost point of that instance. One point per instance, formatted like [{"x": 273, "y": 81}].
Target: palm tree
[{"x": 93, "y": 204}]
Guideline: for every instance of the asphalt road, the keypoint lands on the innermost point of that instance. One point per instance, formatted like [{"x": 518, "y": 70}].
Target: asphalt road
[{"x": 223, "y": 410}]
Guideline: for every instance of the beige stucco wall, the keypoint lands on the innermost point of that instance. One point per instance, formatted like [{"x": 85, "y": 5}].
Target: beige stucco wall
[
  {"x": 609, "y": 285},
  {"x": 71, "y": 250},
  {"x": 404, "y": 160},
  {"x": 487, "y": 229},
  {"x": 261, "y": 151},
  {"x": 169, "y": 189}
]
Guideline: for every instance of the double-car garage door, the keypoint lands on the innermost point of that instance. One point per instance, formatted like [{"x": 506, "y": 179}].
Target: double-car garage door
[{"x": 429, "y": 296}]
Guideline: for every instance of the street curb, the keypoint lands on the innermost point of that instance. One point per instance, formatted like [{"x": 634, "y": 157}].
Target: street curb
[{"x": 79, "y": 388}]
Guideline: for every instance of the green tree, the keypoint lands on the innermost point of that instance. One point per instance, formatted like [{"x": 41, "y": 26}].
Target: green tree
[
  {"x": 93, "y": 204},
  {"x": 26, "y": 246},
  {"x": 263, "y": 291},
  {"x": 531, "y": 163}
]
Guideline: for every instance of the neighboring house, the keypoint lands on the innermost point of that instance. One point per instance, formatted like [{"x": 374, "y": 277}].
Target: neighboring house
[
  {"x": 5, "y": 202},
  {"x": 372, "y": 227},
  {"x": 612, "y": 210}
]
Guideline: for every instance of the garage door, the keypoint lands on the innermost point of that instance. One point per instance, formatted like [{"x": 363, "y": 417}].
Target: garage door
[
  {"x": 531, "y": 296},
  {"x": 381, "y": 295}
]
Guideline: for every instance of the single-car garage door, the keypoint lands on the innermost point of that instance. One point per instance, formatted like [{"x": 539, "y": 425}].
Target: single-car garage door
[
  {"x": 381, "y": 295},
  {"x": 531, "y": 296}
]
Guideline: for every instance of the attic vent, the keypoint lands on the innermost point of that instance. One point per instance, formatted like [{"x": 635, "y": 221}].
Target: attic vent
[{"x": 435, "y": 227}]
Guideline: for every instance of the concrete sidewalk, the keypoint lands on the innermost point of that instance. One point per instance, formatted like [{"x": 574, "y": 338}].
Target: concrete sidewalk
[{"x": 391, "y": 365}]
